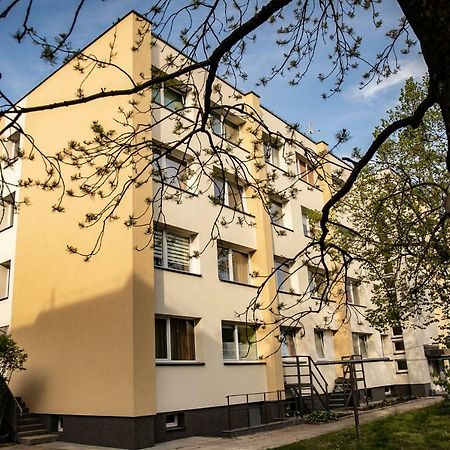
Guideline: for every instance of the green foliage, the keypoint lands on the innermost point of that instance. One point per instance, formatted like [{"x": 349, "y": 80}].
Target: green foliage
[
  {"x": 12, "y": 357},
  {"x": 399, "y": 232},
  {"x": 319, "y": 416},
  {"x": 443, "y": 379},
  {"x": 428, "y": 428}
]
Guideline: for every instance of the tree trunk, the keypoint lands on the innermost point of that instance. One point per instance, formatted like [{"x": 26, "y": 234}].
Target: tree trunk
[{"x": 430, "y": 21}]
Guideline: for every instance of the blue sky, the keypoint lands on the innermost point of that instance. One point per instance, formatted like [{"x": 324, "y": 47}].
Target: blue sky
[{"x": 357, "y": 110}]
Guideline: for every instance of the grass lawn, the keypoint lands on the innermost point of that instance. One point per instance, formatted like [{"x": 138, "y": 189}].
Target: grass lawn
[{"x": 427, "y": 428}]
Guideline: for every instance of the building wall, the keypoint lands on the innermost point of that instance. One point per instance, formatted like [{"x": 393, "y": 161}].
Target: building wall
[
  {"x": 89, "y": 327},
  {"x": 84, "y": 325}
]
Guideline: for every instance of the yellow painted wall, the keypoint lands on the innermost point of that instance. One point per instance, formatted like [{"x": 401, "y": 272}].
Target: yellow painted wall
[{"x": 87, "y": 327}]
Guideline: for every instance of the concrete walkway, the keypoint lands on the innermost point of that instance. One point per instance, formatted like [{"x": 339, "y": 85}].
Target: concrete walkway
[{"x": 263, "y": 440}]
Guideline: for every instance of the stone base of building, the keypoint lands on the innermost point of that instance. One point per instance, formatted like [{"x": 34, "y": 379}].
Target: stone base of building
[{"x": 141, "y": 432}]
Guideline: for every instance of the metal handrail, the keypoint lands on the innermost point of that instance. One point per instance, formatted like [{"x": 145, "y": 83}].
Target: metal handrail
[{"x": 246, "y": 405}]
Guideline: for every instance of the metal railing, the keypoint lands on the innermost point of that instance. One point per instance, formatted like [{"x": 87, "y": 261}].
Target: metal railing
[
  {"x": 316, "y": 385},
  {"x": 255, "y": 408}
]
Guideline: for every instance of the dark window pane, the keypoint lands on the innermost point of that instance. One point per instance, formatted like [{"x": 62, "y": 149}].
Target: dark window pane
[
  {"x": 161, "y": 338},
  {"x": 228, "y": 343},
  {"x": 182, "y": 339}
]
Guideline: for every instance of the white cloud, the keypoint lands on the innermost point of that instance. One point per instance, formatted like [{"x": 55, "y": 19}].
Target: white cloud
[{"x": 410, "y": 68}]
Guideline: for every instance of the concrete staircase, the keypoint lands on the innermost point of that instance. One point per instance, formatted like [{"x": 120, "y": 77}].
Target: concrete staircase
[{"x": 30, "y": 430}]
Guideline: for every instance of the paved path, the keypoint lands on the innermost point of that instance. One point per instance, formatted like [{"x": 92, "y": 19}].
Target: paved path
[{"x": 263, "y": 440}]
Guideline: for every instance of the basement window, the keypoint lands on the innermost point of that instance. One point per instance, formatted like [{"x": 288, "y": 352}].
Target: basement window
[{"x": 174, "y": 421}]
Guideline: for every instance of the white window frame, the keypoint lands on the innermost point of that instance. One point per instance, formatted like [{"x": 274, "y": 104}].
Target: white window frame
[
  {"x": 321, "y": 354},
  {"x": 159, "y": 171},
  {"x": 11, "y": 148},
  {"x": 272, "y": 151},
  {"x": 305, "y": 223},
  {"x": 165, "y": 260},
  {"x": 352, "y": 289},
  {"x": 175, "y": 423},
  {"x": 6, "y": 268},
  {"x": 285, "y": 347},
  {"x": 7, "y": 207},
  {"x": 279, "y": 263},
  {"x": 159, "y": 96},
  {"x": 218, "y": 124},
  {"x": 309, "y": 175},
  {"x": 278, "y": 221},
  {"x": 312, "y": 285},
  {"x": 236, "y": 341},
  {"x": 230, "y": 263},
  {"x": 227, "y": 186},
  {"x": 401, "y": 370},
  {"x": 168, "y": 319},
  {"x": 358, "y": 339}
]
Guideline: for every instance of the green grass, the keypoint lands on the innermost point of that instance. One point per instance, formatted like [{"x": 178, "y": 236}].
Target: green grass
[{"x": 427, "y": 428}]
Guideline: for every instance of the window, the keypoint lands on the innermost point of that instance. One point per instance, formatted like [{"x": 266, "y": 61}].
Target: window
[
  {"x": 232, "y": 265},
  {"x": 170, "y": 170},
  {"x": 282, "y": 275},
  {"x": 352, "y": 287},
  {"x": 222, "y": 125},
  {"x": 6, "y": 212},
  {"x": 4, "y": 279},
  {"x": 169, "y": 97},
  {"x": 11, "y": 148},
  {"x": 228, "y": 193},
  {"x": 305, "y": 170},
  {"x": 239, "y": 342},
  {"x": 384, "y": 344},
  {"x": 171, "y": 250},
  {"x": 272, "y": 150},
  {"x": 319, "y": 343},
  {"x": 316, "y": 283},
  {"x": 402, "y": 365},
  {"x": 287, "y": 338},
  {"x": 399, "y": 346},
  {"x": 174, "y": 339},
  {"x": 360, "y": 344},
  {"x": 397, "y": 331},
  {"x": 305, "y": 223},
  {"x": 174, "y": 421},
  {"x": 276, "y": 212}
]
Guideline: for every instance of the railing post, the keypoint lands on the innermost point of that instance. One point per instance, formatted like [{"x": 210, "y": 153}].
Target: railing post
[
  {"x": 229, "y": 413},
  {"x": 311, "y": 382},
  {"x": 248, "y": 411}
]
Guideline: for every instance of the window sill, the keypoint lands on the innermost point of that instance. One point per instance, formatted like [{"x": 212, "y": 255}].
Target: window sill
[
  {"x": 400, "y": 352},
  {"x": 401, "y": 372},
  {"x": 244, "y": 363},
  {"x": 282, "y": 291},
  {"x": 179, "y": 363},
  {"x": 184, "y": 191},
  {"x": 237, "y": 211},
  {"x": 238, "y": 283},
  {"x": 168, "y": 269},
  {"x": 282, "y": 227}
]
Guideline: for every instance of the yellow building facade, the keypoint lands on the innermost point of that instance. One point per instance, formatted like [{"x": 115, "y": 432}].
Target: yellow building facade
[{"x": 137, "y": 347}]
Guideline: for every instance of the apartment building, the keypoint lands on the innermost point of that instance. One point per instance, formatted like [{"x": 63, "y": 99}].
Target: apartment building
[{"x": 142, "y": 346}]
